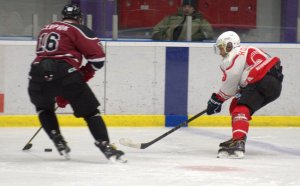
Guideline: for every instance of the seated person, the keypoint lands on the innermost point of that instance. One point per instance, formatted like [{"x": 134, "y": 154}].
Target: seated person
[{"x": 174, "y": 27}]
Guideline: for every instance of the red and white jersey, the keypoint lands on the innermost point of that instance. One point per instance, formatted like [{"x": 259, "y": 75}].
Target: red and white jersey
[
  {"x": 243, "y": 66},
  {"x": 70, "y": 42}
]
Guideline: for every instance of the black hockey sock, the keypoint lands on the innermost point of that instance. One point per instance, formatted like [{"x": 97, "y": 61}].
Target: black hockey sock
[
  {"x": 97, "y": 127},
  {"x": 49, "y": 121}
]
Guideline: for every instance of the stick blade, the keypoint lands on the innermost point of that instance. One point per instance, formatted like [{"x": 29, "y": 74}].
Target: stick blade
[
  {"x": 129, "y": 143},
  {"x": 27, "y": 147}
]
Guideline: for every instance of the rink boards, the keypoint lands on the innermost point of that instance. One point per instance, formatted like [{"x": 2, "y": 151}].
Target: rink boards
[
  {"x": 151, "y": 121},
  {"x": 149, "y": 84}
]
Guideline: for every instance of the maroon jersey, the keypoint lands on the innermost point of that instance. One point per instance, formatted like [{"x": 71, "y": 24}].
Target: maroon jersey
[{"x": 69, "y": 41}]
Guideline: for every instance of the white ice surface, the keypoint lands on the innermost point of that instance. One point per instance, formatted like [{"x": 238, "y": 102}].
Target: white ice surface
[{"x": 186, "y": 157}]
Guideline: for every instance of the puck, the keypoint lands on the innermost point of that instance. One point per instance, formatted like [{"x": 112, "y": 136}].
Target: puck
[{"x": 48, "y": 150}]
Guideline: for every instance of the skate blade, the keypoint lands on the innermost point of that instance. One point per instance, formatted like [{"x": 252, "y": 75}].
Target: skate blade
[
  {"x": 239, "y": 154},
  {"x": 114, "y": 159},
  {"x": 223, "y": 154},
  {"x": 65, "y": 154},
  {"x": 235, "y": 155}
]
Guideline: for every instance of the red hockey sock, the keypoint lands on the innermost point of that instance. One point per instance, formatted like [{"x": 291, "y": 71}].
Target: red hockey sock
[
  {"x": 240, "y": 129},
  {"x": 240, "y": 122}
]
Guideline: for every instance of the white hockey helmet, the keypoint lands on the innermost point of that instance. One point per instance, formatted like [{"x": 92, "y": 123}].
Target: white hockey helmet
[{"x": 225, "y": 38}]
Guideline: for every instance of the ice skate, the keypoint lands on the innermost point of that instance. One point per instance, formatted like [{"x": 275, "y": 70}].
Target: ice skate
[
  {"x": 111, "y": 152},
  {"x": 234, "y": 149},
  {"x": 60, "y": 144}
]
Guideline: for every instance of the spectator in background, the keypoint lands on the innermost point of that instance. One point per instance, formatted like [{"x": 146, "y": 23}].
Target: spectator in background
[{"x": 174, "y": 27}]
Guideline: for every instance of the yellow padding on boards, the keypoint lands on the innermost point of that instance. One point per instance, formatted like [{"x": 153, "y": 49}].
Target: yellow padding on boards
[
  {"x": 257, "y": 121},
  {"x": 150, "y": 121},
  {"x": 71, "y": 121}
]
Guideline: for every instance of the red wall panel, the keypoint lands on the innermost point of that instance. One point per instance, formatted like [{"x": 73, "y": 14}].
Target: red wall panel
[
  {"x": 229, "y": 13},
  {"x": 220, "y": 13},
  {"x": 144, "y": 13},
  {"x": 1, "y": 102}
]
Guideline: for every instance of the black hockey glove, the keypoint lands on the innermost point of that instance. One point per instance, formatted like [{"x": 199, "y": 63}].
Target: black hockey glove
[{"x": 214, "y": 105}]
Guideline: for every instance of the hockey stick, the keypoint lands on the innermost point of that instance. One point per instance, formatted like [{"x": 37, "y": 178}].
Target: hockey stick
[
  {"x": 129, "y": 143},
  {"x": 29, "y": 144}
]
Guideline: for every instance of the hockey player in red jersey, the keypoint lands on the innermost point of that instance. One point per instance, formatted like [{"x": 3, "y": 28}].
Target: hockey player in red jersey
[
  {"x": 253, "y": 78},
  {"x": 58, "y": 75}
]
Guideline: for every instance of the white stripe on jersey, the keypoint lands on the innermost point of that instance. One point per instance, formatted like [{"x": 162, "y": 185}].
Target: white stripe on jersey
[{"x": 96, "y": 59}]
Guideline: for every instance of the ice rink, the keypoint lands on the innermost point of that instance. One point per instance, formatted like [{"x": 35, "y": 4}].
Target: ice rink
[{"x": 186, "y": 157}]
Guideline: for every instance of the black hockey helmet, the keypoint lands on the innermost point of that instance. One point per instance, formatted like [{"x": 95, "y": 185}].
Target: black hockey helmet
[
  {"x": 193, "y": 3},
  {"x": 72, "y": 11}
]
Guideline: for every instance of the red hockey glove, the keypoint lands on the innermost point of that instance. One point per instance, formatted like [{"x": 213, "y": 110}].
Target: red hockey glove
[
  {"x": 61, "y": 102},
  {"x": 88, "y": 72}
]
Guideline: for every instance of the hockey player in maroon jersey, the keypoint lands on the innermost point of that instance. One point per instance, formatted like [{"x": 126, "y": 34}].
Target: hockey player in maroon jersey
[
  {"x": 58, "y": 75},
  {"x": 253, "y": 78}
]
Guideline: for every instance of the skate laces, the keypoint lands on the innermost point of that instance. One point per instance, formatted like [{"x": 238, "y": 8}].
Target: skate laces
[
  {"x": 112, "y": 146},
  {"x": 226, "y": 143},
  {"x": 59, "y": 141},
  {"x": 232, "y": 143},
  {"x": 108, "y": 149},
  {"x": 105, "y": 146}
]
